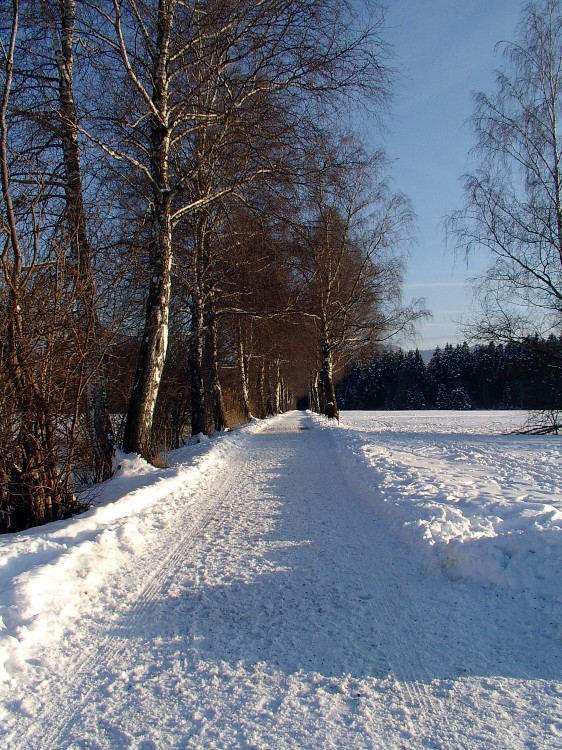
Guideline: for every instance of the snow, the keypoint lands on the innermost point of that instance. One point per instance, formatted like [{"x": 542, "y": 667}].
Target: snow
[
  {"x": 484, "y": 508},
  {"x": 47, "y": 574},
  {"x": 392, "y": 581}
]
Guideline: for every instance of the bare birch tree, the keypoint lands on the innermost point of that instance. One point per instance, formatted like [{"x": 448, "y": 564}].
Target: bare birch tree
[
  {"x": 60, "y": 16},
  {"x": 195, "y": 72},
  {"x": 347, "y": 254},
  {"x": 513, "y": 199}
]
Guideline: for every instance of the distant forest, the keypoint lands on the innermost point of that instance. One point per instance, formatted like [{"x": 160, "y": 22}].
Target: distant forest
[{"x": 514, "y": 375}]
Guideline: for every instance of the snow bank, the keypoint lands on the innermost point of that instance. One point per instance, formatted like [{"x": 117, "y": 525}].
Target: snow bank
[
  {"x": 479, "y": 502},
  {"x": 48, "y": 574}
]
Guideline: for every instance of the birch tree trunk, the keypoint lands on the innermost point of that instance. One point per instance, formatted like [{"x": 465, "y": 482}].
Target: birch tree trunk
[
  {"x": 314, "y": 394},
  {"x": 243, "y": 365},
  {"x": 330, "y": 406},
  {"x": 277, "y": 387},
  {"x": 219, "y": 412},
  {"x": 152, "y": 353},
  {"x": 197, "y": 328},
  {"x": 261, "y": 391}
]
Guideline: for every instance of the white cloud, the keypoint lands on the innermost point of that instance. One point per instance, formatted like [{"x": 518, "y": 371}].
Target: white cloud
[{"x": 435, "y": 284}]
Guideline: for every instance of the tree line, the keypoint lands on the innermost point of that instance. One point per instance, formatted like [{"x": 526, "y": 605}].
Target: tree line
[
  {"x": 191, "y": 230},
  {"x": 515, "y": 375}
]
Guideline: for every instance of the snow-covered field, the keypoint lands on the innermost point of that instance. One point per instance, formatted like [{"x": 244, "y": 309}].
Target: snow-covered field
[{"x": 394, "y": 581}]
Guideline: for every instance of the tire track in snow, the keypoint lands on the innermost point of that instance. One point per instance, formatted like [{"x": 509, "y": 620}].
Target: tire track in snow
[
  {"x": 425, "y": 716},
  {"x": 57, "y": 721},
  {"x": 300, "y": 519},
  {"x": 345, "y": 551},
  {"x": 396, "y": 613}
]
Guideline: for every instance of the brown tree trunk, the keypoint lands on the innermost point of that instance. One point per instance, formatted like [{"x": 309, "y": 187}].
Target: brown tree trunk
[
  {"x": 197, "y": 384},
  {"x": 96, "y": 411},
  {"x": 269, "y": 402},
  {"x": 34, "y": 488}
]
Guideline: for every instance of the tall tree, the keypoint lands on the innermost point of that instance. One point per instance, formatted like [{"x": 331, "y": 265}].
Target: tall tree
[
  {"x": 192, "y": 70},
  {"x": 513, "y": 199},
  {"x": 60, "y": 16},
  {"x": 348, "y": 258},
  {"x": 41, "y": 363}
]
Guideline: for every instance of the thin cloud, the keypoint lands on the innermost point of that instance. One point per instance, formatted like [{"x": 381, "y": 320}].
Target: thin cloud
[{"x": 435, "y": 285}]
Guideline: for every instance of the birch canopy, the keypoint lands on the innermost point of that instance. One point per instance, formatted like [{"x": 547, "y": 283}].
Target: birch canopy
[{"x": 190, "y": 232}]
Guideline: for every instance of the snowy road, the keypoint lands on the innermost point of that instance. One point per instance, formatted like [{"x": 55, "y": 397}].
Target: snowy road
[{"x": 275, "y": 609}]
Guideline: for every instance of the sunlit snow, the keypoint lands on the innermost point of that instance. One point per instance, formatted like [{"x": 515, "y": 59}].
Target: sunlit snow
[{"x": 393, "y": 581}]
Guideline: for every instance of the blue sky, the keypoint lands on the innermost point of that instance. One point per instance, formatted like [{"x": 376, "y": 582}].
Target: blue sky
[{"x": 446, "y": 51}]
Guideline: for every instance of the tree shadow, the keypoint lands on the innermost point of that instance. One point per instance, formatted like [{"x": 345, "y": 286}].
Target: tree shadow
[{"x": 314, "y": 592}]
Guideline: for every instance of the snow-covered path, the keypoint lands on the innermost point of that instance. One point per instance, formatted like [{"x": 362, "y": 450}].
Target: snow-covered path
[{"x": 275, "y": 609}]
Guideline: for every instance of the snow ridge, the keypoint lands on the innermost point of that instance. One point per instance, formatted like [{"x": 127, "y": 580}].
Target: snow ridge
[
  {"x": 481, "y": 504},
  {"x": 48, "y": 575}
]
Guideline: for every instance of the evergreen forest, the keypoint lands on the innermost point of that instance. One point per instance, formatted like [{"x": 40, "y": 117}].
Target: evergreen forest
[{"x": 514, "y": 375}]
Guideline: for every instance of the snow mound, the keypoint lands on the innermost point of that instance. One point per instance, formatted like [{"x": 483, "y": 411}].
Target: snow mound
[
  {"x": 468, "y": 497},
  {"x": 48, "y": 574}
]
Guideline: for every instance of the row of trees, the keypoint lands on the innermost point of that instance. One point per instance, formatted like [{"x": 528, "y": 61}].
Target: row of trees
[
  {"x": 189, "y": 234},
  {"x": 522, "y": 375},
  {"x": 187, "y": 237}
]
